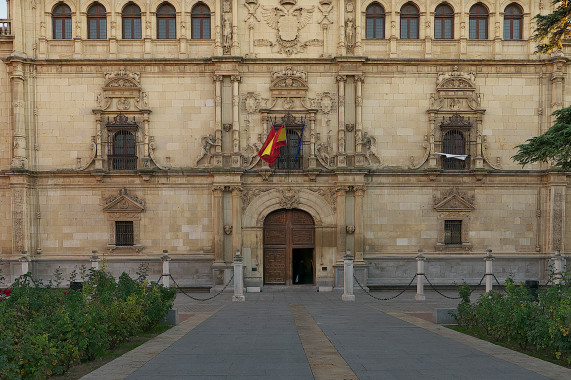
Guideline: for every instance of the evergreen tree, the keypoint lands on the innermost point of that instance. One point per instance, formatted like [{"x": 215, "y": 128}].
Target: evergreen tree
[{"x": 553, "y": 28}]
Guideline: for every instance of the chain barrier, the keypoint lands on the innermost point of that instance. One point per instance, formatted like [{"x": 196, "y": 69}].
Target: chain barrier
[
  {"x": 442, "y": 294},
  {"x": 200, "y": 299},
  {"x": 383, "y": 299}
]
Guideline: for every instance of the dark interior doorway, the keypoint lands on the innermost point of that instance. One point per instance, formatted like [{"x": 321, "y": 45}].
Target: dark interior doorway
[{"x": 302, "y": 266}]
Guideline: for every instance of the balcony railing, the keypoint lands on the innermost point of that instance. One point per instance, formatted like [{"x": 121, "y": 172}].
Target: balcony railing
[
  {"x": 122, "y": 162},
  {"x": 5, "y": 27}
]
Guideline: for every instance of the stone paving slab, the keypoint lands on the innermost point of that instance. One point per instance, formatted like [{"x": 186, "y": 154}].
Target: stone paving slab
[{"x": 278, "y": 335}]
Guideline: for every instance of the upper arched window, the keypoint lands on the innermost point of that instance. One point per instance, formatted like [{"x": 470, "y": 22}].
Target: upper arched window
[
  {"x": 61, "y": 22},
  {"x": 513, "y": 22},
  {"x": 131, "y": 19},
  {"x": 444, "y": 22},
  {"x": 166, "y": 22},
  {"x": 96, "y": 22},
  {"x": 200, "y": 17},
  {"x": 478, "y": 22},
  {"x": 409, "y": 20},
  {"x": 375, "y": 16}
]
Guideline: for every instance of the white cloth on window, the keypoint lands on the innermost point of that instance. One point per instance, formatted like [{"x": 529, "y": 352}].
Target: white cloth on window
[{"x": 457, "y": 156}]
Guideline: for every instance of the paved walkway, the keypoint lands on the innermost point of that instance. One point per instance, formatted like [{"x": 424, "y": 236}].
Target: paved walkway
[{"x": 297, "y": 333}]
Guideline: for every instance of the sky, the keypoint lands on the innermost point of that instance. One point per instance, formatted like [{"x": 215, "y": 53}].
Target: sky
[{"x": 3, "y": 9}]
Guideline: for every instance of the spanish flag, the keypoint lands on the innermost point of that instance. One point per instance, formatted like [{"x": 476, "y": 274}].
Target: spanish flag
[{"x": 271, "y": 148}]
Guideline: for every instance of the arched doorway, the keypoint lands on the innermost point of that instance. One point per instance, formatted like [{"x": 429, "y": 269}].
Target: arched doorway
[{"x": 289, "y": 242}]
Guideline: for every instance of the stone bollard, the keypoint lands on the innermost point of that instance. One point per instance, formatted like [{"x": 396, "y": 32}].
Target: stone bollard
[
  {"x": 25, "y": 261},
  {"x": 558, "y": 269},
  {"x": 348, "y": 278},
  {"x": 238, "y": 279},
  {"x": 166, "y": 268},
  {"x": 94, "y": 260},
  {"x": 420, "y": 259},
  {"x": 489, "y": 273}
]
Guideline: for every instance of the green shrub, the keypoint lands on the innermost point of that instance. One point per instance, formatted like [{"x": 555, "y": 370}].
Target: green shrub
[{"x": 44, "y": 330}]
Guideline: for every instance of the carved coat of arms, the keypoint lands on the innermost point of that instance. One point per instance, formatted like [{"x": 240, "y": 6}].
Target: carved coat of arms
[{"x": 288, "y": 23}]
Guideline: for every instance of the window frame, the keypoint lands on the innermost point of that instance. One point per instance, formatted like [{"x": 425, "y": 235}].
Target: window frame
[
  {"x": 163, "y": 14},
  {"x": 453, "y": 163},
  {"x": 510, "y": 19},
  {"x": 407, "y": 17},
  {"x": 441, "y": 17},
  {"x": 123, "y": 153},
  {"x": 131, "y": 17},
  {"x": 286, "y": 160},
  {"x": 198, "y": 16},
  {"x": 124, "y": 236},
  {"x": 478, "y": 17},
  {"x": 93, "y": 13},
  {"x": 61, "y": 13},
  {"x": 376, "y": 18}
]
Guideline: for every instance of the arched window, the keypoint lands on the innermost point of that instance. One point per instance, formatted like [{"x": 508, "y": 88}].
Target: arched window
[
  {"x": 96, "y": 22},
  {"x": 409, "y": 20},
  {"x": 124, "y": 151},
  {"x": 444, "y": 22},
  {"x": 513, "y": 22},
  {"x": 166, "y": 22},
  {"x": 375, "y": 16},
  {"x": 478, "y": 22},
  {"x": 131, "y": 18},
  {"x": 61, "y": 22},
  {"x": 453, "y": 142},
  {"x": 200, "y": 17}
]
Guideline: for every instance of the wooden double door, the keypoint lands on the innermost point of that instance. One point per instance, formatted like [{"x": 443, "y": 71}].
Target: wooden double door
[{"x": 289, "y": 248}]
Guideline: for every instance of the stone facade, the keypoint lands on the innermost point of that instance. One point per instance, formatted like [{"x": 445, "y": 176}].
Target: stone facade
[{"x": 376, "y": 112}]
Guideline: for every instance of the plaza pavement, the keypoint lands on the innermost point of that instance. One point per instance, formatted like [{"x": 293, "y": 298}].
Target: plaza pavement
[{"x": 298, "y": 333}]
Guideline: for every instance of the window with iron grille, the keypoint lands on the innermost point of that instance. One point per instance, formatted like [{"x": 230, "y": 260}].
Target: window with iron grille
[
  {"x": 452, "y": 232},
  {"x": 96, "y": 22},
  {"x": 453, "y": 142},
  {"x": 124, "y": 235},
  {"x": 124, "y": 155},
  {"x": 289, "y": 157},
  {"x": 61, "y": 22}
]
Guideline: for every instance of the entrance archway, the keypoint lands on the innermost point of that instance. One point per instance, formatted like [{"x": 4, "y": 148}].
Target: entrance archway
[{"x": 289, "y": 248}]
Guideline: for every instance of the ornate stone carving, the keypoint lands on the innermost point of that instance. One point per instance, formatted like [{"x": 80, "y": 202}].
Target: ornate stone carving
[
  {"x": 122, "y": 74},
  {"x": 288, "y": 23},
  {"x": 349, "y": 35},
  {"x": 369, "y": 149},
  {"x": 329, "y": 194},
  {"x": 249, "y": 194},
  {"x": 325, "y": 7},
  {"x": 324, "y": 152},
  {"x": 226, "y": 35},
  {"x": 289, "y": 198},
  {"x": 228, "y": 230},
  {"x": 252, "y": 7},
  {"x": 349, "y": 127},
  {"x": 350, "y": 229},
  {"x": 557, "y": 218},
  {"x": 123, "y": 202},
  {"x": 123, "y": 104},
  {"x": 227, "y": 127},
  {"x": 454, "y": 201},
  {"x": 208, "y": 142},
  {"x": 251, "y": 102}
]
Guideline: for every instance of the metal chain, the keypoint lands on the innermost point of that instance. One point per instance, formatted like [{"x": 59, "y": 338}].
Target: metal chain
[
  {"x": 202, "y": 299},
  {"x": 383, "y": 299},
  {"x": 437, "y": 291}
]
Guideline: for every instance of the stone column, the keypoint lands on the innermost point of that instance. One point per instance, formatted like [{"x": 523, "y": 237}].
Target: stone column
[
  {"x": 557, "y": 82},
  {"x": 235, "y": 117},
  {"x": 147, "y": 21},
  {"x": 98, "y": 142},
  {"x": 341, "y": 192},
  {"x": 341, "y": 35},
  {"x": 238, "y": 279},
  {"x": 358, "y": 19},
  {"x": 324, "y": 28},
  {"x": 217, "y": 29},
  {"x": 25, "y": 262},
  {"x": 146, "y": 135},
  {"x": 312, "y": 158},
  {"x": 359, "y": 79},
  {"x": 420, "y": 276},
  {"x": 94, "y": 259},
  {"x": 479, "y": 159},
  {"x": 166, "y": 268},
  {"x": 235, "y": 39},
  {"x": 348, "y": 278},
  {"x": 251, "y": 39},
  {"x": 218, "y": 224},
  {"x": 432, "y": 160},
  {"x": 557, "y": 205},
  {"x": 341, "y": 158},
  {"x": 358, "y": 218},
  {"x": 489, "y": 271},
  {"x": 183, "y": 45},
  {"x": 236, "y": 218},
  {"x": 558, "y": 267},
  {"x": 20, "y": 139},
  {"x": 218, "y": 110}
]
